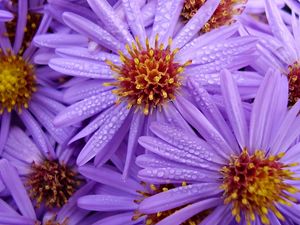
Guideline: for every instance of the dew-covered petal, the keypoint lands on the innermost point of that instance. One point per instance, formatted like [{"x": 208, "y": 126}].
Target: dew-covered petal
[
  {"x": 84, "y": 90},
  {"x": 279, "y": 29},
  {"x": 204, "y": 127},
  {"x": 166, "y": 17},
  {"x": 84, "y": 109},
  {"x": 106, "y": 203},
  {"x": 234, "y": 109},
  {"x": 14, "y": 184},
  {"x": 135, "y": 131},
  {"x": 37, "y": 133},
  {"x": 291, "y": 212},
  {"x": 102, "y": 136},
  {"x": 266, "y": 110},
  {"x": 81, "y": 68},
  {"x": 191, "y": 147},
  {"x": 61, "y": 135},
  {"x": 92, "y": 30},
  {"x": 283, "y": 135},
  {"x": 179, "y": 196},
  {"x": 112, "y": 23},
  {"x": 85, "y": 53},
  {"x": 195, "y": 23},
  {"x": 111, "y": 178},
  {"x": 189, "y": 211},
  {"x": 208, "y": 107},
  {"x": 134, "y": 19},
  {"x": 177, "y": 175},
  {"x": 221, "y": 50},
  {"x": 215, "y": 35},
  {"x": 60, "y": 40}
]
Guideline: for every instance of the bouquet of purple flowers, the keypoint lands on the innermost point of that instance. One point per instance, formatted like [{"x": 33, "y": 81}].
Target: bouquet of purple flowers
[{"x": 149, "y": 112}]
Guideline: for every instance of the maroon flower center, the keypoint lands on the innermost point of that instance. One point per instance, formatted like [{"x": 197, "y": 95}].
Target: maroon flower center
[
  {"x": 52, "y": 183},
  {"x": 223, "y": 15},
  {"x": 294, "y": 83},
  {"x": 149, "y": 77}
]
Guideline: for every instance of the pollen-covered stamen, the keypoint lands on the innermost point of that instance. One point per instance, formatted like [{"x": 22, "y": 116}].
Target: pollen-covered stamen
[
  {"x": 148, "y": 77},
  {"x": 17, "y": 82},
  {"x": 52, "y": 183},
  {"x": 152, "y": 219},
  {"x": 254, "y": 184},
  {"x": 294, "y": 83},
  {"x": 53, "y": 222},
  {"x": 223, "y": 15}
]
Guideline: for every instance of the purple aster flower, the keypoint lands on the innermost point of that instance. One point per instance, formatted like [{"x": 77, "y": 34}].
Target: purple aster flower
[
  {"x": 21, "y": 210},
  {"x": 144, "y": 74},
  {"x": 278, "y": 45},
  {"x": 27, "y": 91},
  {"x": 238, "y": 169},
  {"x": 50, "y": 181}
]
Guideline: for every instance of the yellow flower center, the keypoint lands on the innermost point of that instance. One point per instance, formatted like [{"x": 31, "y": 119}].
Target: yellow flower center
[
  {"x": 17, "y": 82},
  {"x": 254, "y": 184},
  {"x": 154, "y": 218},
  {"x": 294, "y": 83},
  {"x": 52, "y": 183},
  {"x": 223, "y": 15},
  {"x": 148, "y": 77}
]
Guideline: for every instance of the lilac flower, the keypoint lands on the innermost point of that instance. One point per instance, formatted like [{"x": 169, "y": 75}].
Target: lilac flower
[
  {"x": 39, "y": 172},
  {"x": 279, "y": 46},
  {"x": 27, "y": 92},
  {"x": 145, "y": 78},
  {"x": 22, "y": 211},
  {"x": 247, "y": 171}
]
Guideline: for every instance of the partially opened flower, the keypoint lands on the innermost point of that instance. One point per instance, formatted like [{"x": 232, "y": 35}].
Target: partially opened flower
[
  {"x": 247, "y": 172},
  {"x": 27, "y": 91},
  {"x": 22, "y": 212},
  {"x": 138, "y": 70}
]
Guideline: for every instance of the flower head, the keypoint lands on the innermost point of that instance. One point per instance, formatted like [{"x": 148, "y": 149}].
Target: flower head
[
  {"x": 136, "y": 69},
  {"x": 251, "y": 167}
]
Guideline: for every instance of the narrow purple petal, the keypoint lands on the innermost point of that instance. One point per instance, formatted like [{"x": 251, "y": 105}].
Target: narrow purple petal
[
  {"x": 5, "y": 124},
  {"x": 135, "y": 132},
  {"x": 195, "y": 23},
  {"x": 103, "y": 136},
  {"x": 111, "y": 178},
  {"x": 14, "y": 184},
  {"x": 177, "y": 197},
  {"x": 234, "y": 109},
  {"x": 106, "y": 203},
  {"x": 21, "y": 24},
  {"x": 60, "y": 40},
  {"x": 84, "y": 109},
  {"x": 92, "y": 30},
  {"x": 81, "y": 68},
  {"x": 112, "y": 23}
]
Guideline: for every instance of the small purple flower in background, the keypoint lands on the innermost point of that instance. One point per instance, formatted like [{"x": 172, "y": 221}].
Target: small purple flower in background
[
  {"x": 22, "y": 211},
  {"x": 145, "y": 74},
  {"x": 27, "y": 91},
  {"x": 255, "y": 173}
]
